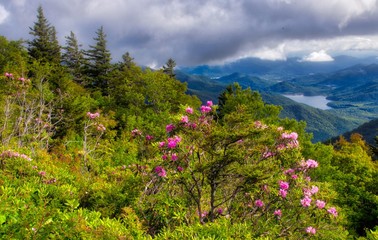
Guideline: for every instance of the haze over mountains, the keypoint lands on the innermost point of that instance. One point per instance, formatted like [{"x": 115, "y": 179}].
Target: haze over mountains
[{"x": 350, "y": 83}]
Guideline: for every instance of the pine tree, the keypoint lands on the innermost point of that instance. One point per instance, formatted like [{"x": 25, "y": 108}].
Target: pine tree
[
  {"x": 168, "y": 68},
  {"x": 128, "y": 61},
  {"x": 73, "y": 58},
  {"x": 45, "y": 46},
  {"x": 98, "y": 65}
]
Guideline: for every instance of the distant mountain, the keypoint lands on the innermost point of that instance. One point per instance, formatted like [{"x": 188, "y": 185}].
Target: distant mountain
[
  {"x": 282, "y": 69},
  {"x": 368, "y": 131}
]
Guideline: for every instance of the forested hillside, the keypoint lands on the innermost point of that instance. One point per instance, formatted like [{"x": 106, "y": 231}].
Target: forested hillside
[{"x": 92, "y": 149}]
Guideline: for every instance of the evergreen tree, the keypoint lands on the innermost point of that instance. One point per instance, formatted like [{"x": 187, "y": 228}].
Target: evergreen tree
[
  {"x": 73, "y": 57},
  {"x": 45, "y": 46},
  {"x": 98, "y": 65},
  {"x": 169, "y": 66},
  {"x": 128, "y": 61}
]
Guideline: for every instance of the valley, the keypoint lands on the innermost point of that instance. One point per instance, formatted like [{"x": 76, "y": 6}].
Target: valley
[{"x": 331, "y": 97}]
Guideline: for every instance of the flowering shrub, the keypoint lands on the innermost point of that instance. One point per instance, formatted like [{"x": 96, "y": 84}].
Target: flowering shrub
[{"x": 227, "y": 166}]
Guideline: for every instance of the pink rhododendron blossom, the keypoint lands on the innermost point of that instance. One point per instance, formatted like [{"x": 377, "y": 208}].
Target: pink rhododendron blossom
[
  {"x": 171, "y": 144},
  {"x": 306, "y": 201},
  {"x": 283, "y": 193},
  {"x": 307, "y": 192},
  {"x": 333, "y": 211},
  {"x": 259, "y": 203},
  {"x": 267, "y": 154},
  {"x": 311, "y": 163},
  {"x": 219, "y": 210},
  {"x": 294, "y": 176},
  {"x": 311, "y": 230},
  {"x": 314, "y": 189},
  {"x": 149, "y": 137},
  {"x": 8, "y": 75},
  {"x": 42, "y": 173},
  {"x": 136, "y": 132},
  {"x": 164, "y": 157},
  {"x": 189, "y": 110},
  {"x": 21, "y": 79},
  {"x": 170, "y": 127},
  {"x": 161, "y": 144},
  {"x": 184, "y": 119},
  {"x": 284, "y": 185},
  {"x": 174, "y": 157},
  {"x": 160, "y": 171},
  {"x": 180, "y": 169},
  {"x": 11, "y": 154},
  {"x": 101, "y": 128},
  {"x": 289, "y": 171},
  {"x": 280, "y": 129},
  {"x": 278, "y": 213},
  {"x": 308, "y": 179},
  {"x": 320, "y": 204},
  {"x": 209, "y": 103},
  {"x": 93, "y": 115},
  {"x": 193, "y": 125},
  {"x": 205, "y": 109}
]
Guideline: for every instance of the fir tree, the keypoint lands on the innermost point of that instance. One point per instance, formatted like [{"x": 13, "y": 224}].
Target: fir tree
[
  {"x": 73, "y": 57},
  {"x": 98, "y": 65},
  {"x": 45, "y": 46},
  {"x": 169, "y": 66},
  {"x": 128, "y": 61}
]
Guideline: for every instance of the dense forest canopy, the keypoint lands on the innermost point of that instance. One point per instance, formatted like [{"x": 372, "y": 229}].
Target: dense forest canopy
[{"x": 98, "y": 150}]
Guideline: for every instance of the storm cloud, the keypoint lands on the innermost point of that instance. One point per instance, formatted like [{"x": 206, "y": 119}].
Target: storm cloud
[{"x": 205, "y": 31}]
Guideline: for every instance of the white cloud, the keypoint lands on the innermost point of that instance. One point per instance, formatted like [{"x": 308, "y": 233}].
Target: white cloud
[
  {"x": 272, "y": 54},
  {"x": 320, "y": 56},
  {"x": 3, "y": 14}
]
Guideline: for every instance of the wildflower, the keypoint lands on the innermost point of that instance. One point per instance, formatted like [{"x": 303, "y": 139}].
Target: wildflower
[
  {"x": 311, "y": 163},
  {"x": 311, "y": 230},
  {"x": 306, "y": 201},
  {"x": 93, "y": 115},
  {"x": 333, "y": 211},
  {"x": 160, "y": 171},
  {"x": 209, "y": 103},
  {"x": 205, "y": 109},
  {"x": 170, "y": 127},
  {"x": 259, "y": 203},
  {"x": 161, "y": 144},
  {"x": 174, "y": 157},
  {"x": 149, "y": 137},
  {"x": 21, "y": 79},
  {"x": 184, "y": 119},
  {"x": 284, "y": 185},
  {"x": 278, "y": 213},
  {"x": 189, "y": 110},
  {"x": 136, "y": 132},
  {"x": 219, "y": 210},
  {"x": 101, "y": 128},
  {"x": 283, "y": 193},
  {"x": 42, "y": 173},
  {"x": 314, "y": 189},
  {"x": 320, "y": 204},
  {"x": 289, "y": 171},
  {"x": 294, "y": 176},
  {"x": 180, "y": 169},
  {"x": 164, "y": 157}
]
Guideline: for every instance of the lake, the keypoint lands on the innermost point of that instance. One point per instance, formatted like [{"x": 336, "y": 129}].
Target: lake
[{"x": 313, "y": 101}]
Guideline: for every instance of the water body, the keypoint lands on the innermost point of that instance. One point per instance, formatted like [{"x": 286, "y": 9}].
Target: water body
[{"x": 313, "y": 101}]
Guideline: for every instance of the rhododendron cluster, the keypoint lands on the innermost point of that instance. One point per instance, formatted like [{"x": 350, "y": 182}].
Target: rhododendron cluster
[
  {"x": 93, "y": 115},
  {"x": 259, "y": 203},
  {"x": 11, "y": 154},
  {"x": 311, "y": 230},
  {"x": 160, "y": 171}
]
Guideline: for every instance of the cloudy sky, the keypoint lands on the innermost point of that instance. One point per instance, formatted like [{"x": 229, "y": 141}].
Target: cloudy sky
[{"x": 197, "y": 32}]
